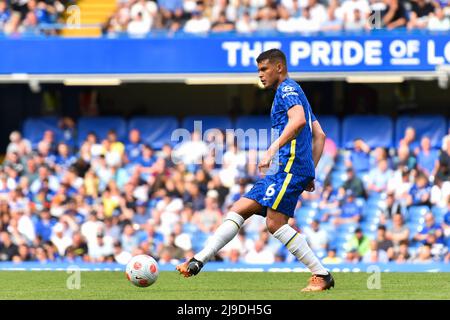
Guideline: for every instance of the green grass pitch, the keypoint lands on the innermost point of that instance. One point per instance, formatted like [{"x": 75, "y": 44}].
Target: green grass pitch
[{"x": 221, "y": 285}]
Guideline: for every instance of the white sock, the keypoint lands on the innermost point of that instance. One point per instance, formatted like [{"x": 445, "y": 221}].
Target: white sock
[
  {"x": 297, "y": 245},
  {"x": 224, "y": 234}
]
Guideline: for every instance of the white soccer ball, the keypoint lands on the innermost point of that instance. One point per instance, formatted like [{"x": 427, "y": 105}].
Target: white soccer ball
[{"x": 142, "y": 270}]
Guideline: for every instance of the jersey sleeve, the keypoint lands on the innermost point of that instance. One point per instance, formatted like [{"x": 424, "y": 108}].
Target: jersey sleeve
[
  {"x": 290, "y": 97},
  {"x": 313, "y": 117}
]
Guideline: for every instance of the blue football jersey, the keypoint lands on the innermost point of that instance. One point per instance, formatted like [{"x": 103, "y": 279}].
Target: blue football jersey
[{"x": 296, "y": 156}]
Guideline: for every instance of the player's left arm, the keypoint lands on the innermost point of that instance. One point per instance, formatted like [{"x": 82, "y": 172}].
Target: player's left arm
[
  {"x": 296, "y": 122},
  {"x": 318, "y": 141},
  {"x": 318, "y": 137}
]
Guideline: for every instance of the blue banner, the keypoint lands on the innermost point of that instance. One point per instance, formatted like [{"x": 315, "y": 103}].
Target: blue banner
[
  {"x": 234, "y": 267},
  {"x": 387, "y": 51}
]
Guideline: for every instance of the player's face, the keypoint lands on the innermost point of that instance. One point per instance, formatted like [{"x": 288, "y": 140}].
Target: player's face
[{"x": 268, "y": 73}]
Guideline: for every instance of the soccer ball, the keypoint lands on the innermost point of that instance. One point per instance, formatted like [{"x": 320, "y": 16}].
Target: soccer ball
[{"x": 142, "y": 270}]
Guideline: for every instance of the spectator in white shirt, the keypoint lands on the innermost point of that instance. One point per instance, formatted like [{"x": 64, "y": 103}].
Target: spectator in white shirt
[
  {"x": 25, "y": 226},
  {"x": 267, "y": 18},
  {"x": 91, "y": 228},
  {"x": 286, "y": 23},
  {"x": 357, "y": 23},
  {"x": 192, "y": 151},
  {"x": 223, "y": 6},
  {"x": 260, "y": 254},
  {"x": 242, "y": 243},
  {"x": 438, "y": 21},
  {"x": 138, "y": 26},
  {"x": 18, "y": 144},
  {"x": 182, "y": 239},
  {"x": 257, "y": 3},
  {"x": 245, "y": 24},
  {"x": 317, "y": 238},
  {"x": 61, "y": 240},
  {"x": 102, "y": 247},
  {"x": 440, "y": 193},
  {"x": 306, "y": 23},
  {"x": 334, "y": 21},
  {"x": 149, "y": 9},
  {"x": 198, "y": 22},
  {"x": 317, "y": 11},
  {"x": 293, "y": 7},
  {"x": 353, "y": 10},
  {"x": 379, "y": 177}
]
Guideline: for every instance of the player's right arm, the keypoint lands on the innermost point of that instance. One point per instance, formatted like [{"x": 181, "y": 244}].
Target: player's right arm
[{"x": 296, "y": 122}]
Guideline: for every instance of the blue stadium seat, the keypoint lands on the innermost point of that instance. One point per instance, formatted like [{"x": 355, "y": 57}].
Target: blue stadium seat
[
  {"x": 337, "y": 179},
  {"x": 155, "y": 131},
  {"x": 198, "y": 240},
  {"x": 372, "y": 220},
  {"x": 100, "y": 126},
  {"x": 320, "y": 253},
  {"x": 360, "y": 201},
  {"x": 33, "y": 129},
  {"x": 374, "y": 197},
  {"x": 417, "y": 213},
  {"x": 342, "y": 238},
  {"x": 256, "y": 123},
  {"x": 304, "y": 215},
  {"x": 347, "y": 228},
  {"x": 371, "y": 212},
  {"x": 413, "y": 227},
  {"x": 332, "y": 127},
  {"x": 369, "y": 229},
  {"x": 376, "y": 131},
  {"x": 339, "y": 245},
  {"x": 328, "y": 227},
  {"x": 312, "y": 204},
  {"x": 207, "y": 122},
  {"x": 433, "y": 126},
  {"x": 439, "y": 213}
]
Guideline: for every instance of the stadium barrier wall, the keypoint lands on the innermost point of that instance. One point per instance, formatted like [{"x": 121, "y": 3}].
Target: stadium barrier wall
[
  {"x": 234, "y": 267},
  {"x": 378, "y": 51}
]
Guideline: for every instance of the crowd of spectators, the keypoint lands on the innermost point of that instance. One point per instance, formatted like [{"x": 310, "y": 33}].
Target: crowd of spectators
[
  {"x": 395, "y": 202},
  {"x": 138, "y": 17},
  {"x": 29, "y": 16},
  {"x": 107, "y": 200}
]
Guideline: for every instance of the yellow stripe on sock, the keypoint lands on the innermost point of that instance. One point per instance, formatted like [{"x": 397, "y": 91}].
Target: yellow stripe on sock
[
  {"x": 291, "y": 157},
  {"x": 282, "y": 191},
  {"x": 292, "y": 239},
  {"x": 233, "y": 222}
]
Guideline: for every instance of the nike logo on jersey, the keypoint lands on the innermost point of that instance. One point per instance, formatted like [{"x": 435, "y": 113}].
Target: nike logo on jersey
[{"x": 267, "y": 198}]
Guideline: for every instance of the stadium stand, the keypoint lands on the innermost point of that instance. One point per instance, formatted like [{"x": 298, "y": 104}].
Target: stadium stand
[
  {"x": 332, "y": 126},
  {"x": 140, "y": 17},
  {"x": 34, "y": 128},
  {"x": 207, "y": 122},
  {"x": 432, "y": 126},
  {"x": 155, "y": 131},
  {"x": 376, "y": 131},
  {"x": 101, "y": 126},
  {"x": 128, "y": 205},
  {"x": 259, "y": 124}
]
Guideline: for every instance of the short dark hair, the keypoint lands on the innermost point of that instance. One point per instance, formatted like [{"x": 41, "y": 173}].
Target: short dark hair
[{"x": 272, "y": 55}]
